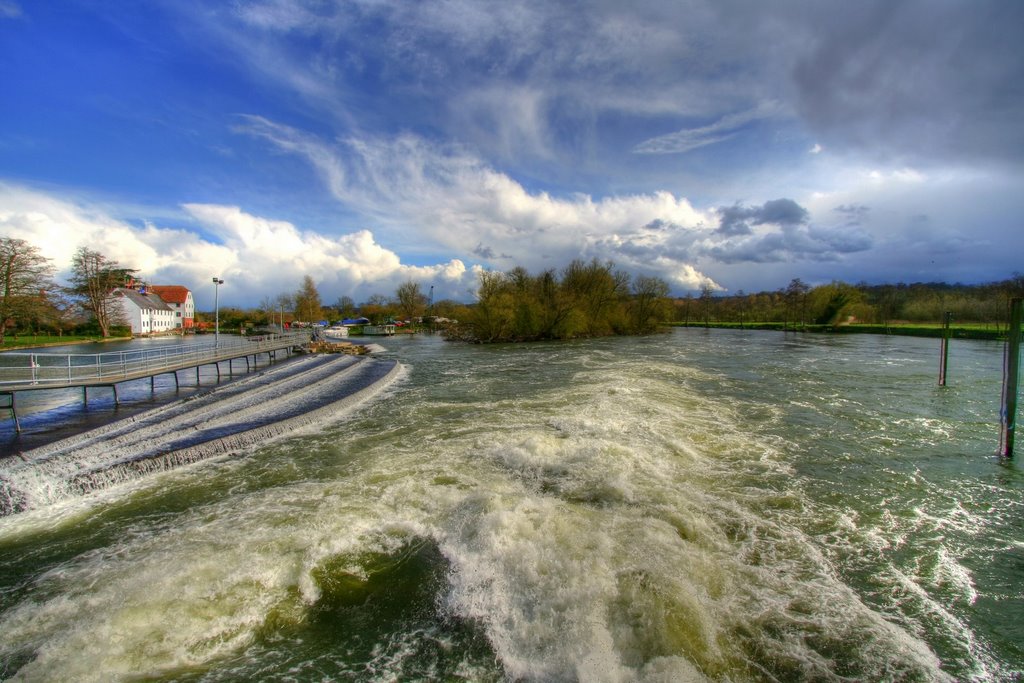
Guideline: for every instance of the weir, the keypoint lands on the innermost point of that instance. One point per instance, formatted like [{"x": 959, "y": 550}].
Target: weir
[
  {"x": 217, "y": 422},
  {"x": 21, "y": 371}
]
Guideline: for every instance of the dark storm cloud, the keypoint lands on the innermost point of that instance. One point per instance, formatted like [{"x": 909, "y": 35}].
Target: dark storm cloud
[
  {"x": 484, "y": 252},
  {"x": 854, "y": 214},
  {"x": 916, "y": 81},
  {"x": 738, "y": 219},
  {"x": 793, "y": 242},
  {"x": 782, "y": 212}
]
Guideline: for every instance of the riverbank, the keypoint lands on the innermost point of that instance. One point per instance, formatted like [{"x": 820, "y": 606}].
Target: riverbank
[
  {"x": 46, "y": 340},
  {"x": 989, "y": 331}
]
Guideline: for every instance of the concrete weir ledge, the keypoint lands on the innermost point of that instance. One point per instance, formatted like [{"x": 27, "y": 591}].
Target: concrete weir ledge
[{"x": 220, "y": 421}]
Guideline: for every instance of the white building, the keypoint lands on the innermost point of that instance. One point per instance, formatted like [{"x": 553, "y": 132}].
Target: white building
[
  {"x": 145, "y": 311},
  {"x": 179, "y": 299}
]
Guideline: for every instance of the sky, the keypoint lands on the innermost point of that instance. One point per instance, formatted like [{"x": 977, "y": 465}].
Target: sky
[{"x": 735, "y": 144}]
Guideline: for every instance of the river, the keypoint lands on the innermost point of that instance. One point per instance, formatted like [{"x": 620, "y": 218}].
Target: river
[{"x": 696, "y": 505}]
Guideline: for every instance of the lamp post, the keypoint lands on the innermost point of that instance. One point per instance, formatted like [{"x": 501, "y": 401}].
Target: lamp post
[{"x": 217, "y": 282}]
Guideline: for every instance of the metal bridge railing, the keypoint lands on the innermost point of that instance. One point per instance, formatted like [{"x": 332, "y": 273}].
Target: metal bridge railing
[{"x": 43, "y": 370}]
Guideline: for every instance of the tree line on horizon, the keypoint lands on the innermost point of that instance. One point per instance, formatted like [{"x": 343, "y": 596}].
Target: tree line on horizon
[
  {"x": 582, "y": 300},
  {"x": 838, "y": 303}
]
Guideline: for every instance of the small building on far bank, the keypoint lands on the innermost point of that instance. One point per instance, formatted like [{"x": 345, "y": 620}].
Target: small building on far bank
[
  {"x": 145, "y": 311},
  {"x": 178, "y": 299}
]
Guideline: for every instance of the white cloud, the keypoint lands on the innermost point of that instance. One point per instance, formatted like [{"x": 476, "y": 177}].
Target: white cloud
[
  {"x": 448, "y": 199},
  {"x": 896, "y": 176},
  {"x": 257, "y": 257}
]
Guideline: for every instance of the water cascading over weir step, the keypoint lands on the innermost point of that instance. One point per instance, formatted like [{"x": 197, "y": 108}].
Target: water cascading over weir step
[{"x": 216, "y": 422}]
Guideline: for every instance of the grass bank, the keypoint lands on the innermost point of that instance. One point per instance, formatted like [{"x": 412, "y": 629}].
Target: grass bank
[
  {"x": 990, "y": 331},
  {"x": 34, "y": 341}
]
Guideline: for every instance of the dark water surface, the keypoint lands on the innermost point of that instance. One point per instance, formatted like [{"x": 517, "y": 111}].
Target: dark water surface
[{"x": 705, "y": 504}]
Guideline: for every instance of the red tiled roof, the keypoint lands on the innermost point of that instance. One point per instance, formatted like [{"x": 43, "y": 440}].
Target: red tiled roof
[{"x": 173, "y": 294}]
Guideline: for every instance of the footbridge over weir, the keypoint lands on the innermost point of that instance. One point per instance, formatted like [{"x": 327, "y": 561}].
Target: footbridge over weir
[{"x": 25, "y": 371}]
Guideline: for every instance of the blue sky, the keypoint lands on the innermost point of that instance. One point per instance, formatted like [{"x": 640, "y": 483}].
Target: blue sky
[{"x": 367, "y": 143}]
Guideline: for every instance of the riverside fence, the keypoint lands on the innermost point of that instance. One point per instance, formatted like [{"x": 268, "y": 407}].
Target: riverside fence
[{"x": 30, "y": 371}]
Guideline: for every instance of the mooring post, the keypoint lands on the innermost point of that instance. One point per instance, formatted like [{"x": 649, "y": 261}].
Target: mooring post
[
  {"x": 1011, "y": 371},
  {"x": 947, "y": 317}
]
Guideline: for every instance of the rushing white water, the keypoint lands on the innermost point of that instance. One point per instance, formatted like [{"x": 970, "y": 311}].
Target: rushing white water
[{"x": 664, "y": 509}]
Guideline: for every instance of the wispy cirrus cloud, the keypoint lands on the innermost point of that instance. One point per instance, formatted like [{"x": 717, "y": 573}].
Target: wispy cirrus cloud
[
  {"x": 10, "y": 9},
  {"x": 720, "y": 130}
]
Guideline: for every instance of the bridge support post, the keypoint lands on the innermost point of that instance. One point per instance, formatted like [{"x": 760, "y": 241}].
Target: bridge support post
[{"x": 13, "y": 408}]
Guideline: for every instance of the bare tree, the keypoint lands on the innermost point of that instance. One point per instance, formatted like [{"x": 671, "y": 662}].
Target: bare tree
[
  {"x": 707, "y": 293},
  {"x": 649, "y": 304},
  {"x": 285, "y": 302},
  {"x": 796, "y": 300},
  {"x": 94, "y": 278},
  {"x": 410, "y": 300},
  {"x": 346, "y": 306},
  {"x": 25, "y": 282}
]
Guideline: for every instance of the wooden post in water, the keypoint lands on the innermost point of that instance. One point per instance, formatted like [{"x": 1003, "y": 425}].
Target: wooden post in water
[
  {"x": 944, "y": 354},
  {"x": 1011, "y": 372}
]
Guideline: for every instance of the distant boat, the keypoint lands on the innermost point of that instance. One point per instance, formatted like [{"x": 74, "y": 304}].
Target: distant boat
[
  {"x": 378, "y": 330},
  {"x": 335, "y": 332}
]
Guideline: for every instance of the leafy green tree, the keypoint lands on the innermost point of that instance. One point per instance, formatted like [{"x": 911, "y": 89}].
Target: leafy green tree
[
  {"x": 94, "y": 277},
  {"x": 596, "y": 291},
  {"x": 591, "y": 299},
  {"x": 494, "y": 310},
  {"x": 833, "y": 302},
  {"x": 25, "y": 284},
  {"x": 307, "y": 302},
  {"x": 555, "y": 306}
]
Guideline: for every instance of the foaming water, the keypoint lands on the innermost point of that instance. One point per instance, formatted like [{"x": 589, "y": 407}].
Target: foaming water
[{"x": 700, "y": 505}]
